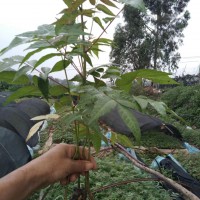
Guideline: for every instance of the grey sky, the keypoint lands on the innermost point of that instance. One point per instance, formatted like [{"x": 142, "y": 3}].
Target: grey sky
[{"x": 23, "y": 15}]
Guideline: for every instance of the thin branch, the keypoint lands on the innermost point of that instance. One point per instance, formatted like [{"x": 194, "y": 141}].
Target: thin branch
[
  {"x": 50, "y": 78},
  {"x": 136, "y": 180},
  {"x": 65, "y": 56},
  {"x": 76, "y": 68},
  {"x": 105, "y": 30}
]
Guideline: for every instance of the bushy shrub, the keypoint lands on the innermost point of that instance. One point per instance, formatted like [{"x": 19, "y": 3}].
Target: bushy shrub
[{"x": 185, "y": 101}]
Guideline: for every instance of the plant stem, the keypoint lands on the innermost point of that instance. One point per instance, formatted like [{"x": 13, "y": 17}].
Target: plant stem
[
  {"x": 84, "y": 50},
  {"x": 105, "y": 30},
  {"x": 87, "y": 186}
]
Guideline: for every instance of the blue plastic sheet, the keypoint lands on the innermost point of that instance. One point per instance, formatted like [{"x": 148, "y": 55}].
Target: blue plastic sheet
[{"x": 191, "y": 149}]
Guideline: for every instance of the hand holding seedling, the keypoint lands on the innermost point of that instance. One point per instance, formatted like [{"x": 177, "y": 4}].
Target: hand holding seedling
[{"x": 54, "y": 166}]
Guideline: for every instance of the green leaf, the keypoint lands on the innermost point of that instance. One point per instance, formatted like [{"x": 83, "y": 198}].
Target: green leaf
[
  {"x": 42, "y": 30},
  {"x": 66, "y": 19},
  {"x": 155, "y": 76},
  {"x": 8, "y": 77},
  {"x": 109, "y": 3},
  {"x": 77, "y": 78},
  {"x": 142, "y": 101},
  {"x": 104, "y": 9},
  {"x": 139, "y": 4},
  {"x": 95, "y": 74},
  {"x": 113, "y": 138},
  {"x": 93, "y": 2},
  {"x": 126, "y": 80},
  {"x": 39, "y": 44},
  {"x": 87, "y": 12},
  {"x": 60, "y": 65},
  {"x": 71, "y": 117},
  {"x": 28, "y": 55},
  {"x": 98, "y": 21},
  {"x": 72, "y": 30},
  {"x": 35, "y": 80},
  {"x": 62, "y": 102},
  {"x": 14, "y": 43},
  {"x": 24, "y": 92},
  {"x": 103, "y": 41},
  {"x": 99, "y": 83},
  {"x": 96, "y": 69},
  {"x": 96, "y": 50},
  {"x": 74, "y": 5},
  {"x": 160, "y": 107},
  {"x": 130, "y": 120},
  {"x": 127, "y": 103},
  {"x": 121, "y": 139},
  {"x": 100, "y": 69},
  {"x": 96, "y": 141},
  {"x": 46, "y": 57},
  {"x": 101, "y": 107},
  {"x": 58, "y": 90},
  {"x": 124, "y": 140},
  {"x": 88, "y": 60},
  {"x": 10, "y": 62},
  {"x": 113, "y": 70},
  {"x": 108, "y": 19},
  {"x": 43, "y": 85},
  {"x": 45, "y": 72},
  {"x": 68, "y": 2},
  {"x": 105, "y": 76},
  {"x": 22, "y": 71}
]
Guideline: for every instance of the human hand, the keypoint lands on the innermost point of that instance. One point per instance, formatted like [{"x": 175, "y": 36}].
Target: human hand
[{"x": 58, "y": 164}]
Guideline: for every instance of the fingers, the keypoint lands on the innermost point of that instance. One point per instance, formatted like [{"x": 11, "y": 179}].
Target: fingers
[
  {"x": 69, "y": 179},
  {"x": 73, "y": 177},
  {"x": 65, "y": 181},
  {"x": 82, "y": 152},
  {"x": 78, "y": 153},
  {"x": 79, "y": 166},
  {"x": 63, "y": 154},
  {"x": 92, "y": 160}
]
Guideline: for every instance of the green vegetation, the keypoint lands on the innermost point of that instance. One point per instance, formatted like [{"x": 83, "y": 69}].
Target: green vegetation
[
  {"x": 160, "y": 140},
  {"x": 185, "y": 101},
  {"x": 113, "y": 169}
]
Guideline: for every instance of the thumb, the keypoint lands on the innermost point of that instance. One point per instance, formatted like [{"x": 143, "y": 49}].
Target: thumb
[{"x": 78, "y": 166}]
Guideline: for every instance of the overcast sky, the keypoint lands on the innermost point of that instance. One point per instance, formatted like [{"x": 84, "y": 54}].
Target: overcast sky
[{"x": 23, "y": 15}]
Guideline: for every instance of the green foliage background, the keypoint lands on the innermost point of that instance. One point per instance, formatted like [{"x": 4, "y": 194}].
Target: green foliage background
[
  {"x": 150, "y": 40},
  {"x": 185, "y": 101}
]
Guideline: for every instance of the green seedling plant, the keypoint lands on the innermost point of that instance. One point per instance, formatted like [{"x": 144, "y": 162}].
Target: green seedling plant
[{"x": 73, "y": 44}]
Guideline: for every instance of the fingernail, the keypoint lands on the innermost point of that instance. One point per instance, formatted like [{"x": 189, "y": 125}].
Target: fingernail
[{"x": 89, "y": 166}]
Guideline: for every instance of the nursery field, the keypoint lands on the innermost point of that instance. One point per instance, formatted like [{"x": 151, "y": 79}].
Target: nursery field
[{"x": 116, "y": 177}]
